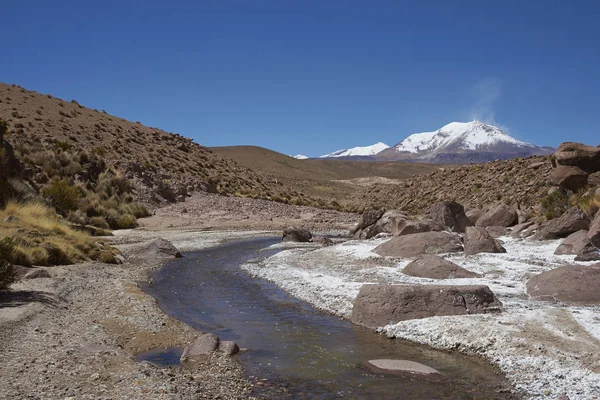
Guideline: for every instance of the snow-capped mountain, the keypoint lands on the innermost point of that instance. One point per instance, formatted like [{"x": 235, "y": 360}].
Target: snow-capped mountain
[
  {"x": 300, "y": 157},
  {"x": 460, "y": 142},
  {"x": 358, "y": 151}
]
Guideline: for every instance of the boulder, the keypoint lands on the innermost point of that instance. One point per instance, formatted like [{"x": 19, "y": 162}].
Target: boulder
[
  {"x": 420, "y": 243},
  {"x": 37, "y": 273},
  {"x": 521, "y": 217},
  {"x": 386, "y": 223},
  {"x": 571, "y": 221},
  {"x": 323, "y": 240},
  {"x": 205, "y": 344},
  {"x": 572, "y": 284},
  {"x": 400, "y": 367},
  {"x": 295, "y": 234},
  {"x": 569, "y": 177},
  {"x": 474, "y": 215},
  {"x": 435, "y": 267},
  {"x": 594, "y": 232},
  {"x": 576, "y": 154},
  {"x": 228, "y": 347},
  {"x": 368, "y": 218},
  {"x": 594, "y": 179},
  {"x": 497, "y": 231},
  {"x": 158, "y": 248},
  {"x": 573, "y": 243},
  {"x": 519, "y": 230},
  {"x": 449, "y": 214},
  {"x": 380, "y": 305},
  {"x": 588, "y": 253},
  {"x": 501, "y": 215},
  {"x": 407, "y": 227},
  {"x": 478, "y": 240}
]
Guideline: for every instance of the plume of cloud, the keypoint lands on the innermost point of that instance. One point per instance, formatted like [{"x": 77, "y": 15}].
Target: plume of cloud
[{"x": 485, "y": 94}]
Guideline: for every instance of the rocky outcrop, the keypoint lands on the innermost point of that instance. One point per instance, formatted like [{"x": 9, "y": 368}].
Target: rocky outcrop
[
  {"x": 501, "y": 215},
  {"x": 574, "y": 243},
  {"x": 570, "y": 222},
  {"x": 572, "y": 284},
  {"x": 381, "y": 305},
  {"x": 420, "y": 243},
  {"x": 295, "y": 234},
  {"x": 474, "y": 214},
  {"x": 573, "y": 163},
  {"x": 435, "y": 267},
  {"x": 569, "y": 177},
  {"x": 367, "y": 218},
  {"x": 497, "y": 231},
  {"x": 407, "y": 227},
  {"x": 449, "y": 214},
  {"x": 385, "y": 224},
  {"x": 478, "y": 240}
]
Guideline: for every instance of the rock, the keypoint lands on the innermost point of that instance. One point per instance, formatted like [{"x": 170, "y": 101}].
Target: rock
[
  {"x": 588, "y": 253},
  {"x": 407, "y": 227},
  {"x": 387, "y": 366},
  {"x": 569, "y": 177},
  {"x": 497, "y": 231},
  {"x": 594, "y": 179},
  {"x": 420, "y": 243},
  {"x": 37, "y": 273},
  {"x": 572, "y": 284},
  {"x": 435, "y": 267},
  {"x": 368, "y": 218},
  {"x": 228, "y": 347},
  {"x": 521, "y": 217},
  {"x": 573, "y": 243},
  {"x": 205, "y": 344},
  {"x": 158, "y": 248},
  {"x": 449, "y": 214},
  {"x": 295, "y": 234},
  {"x": 379, "y": 305},
  {"x": 325, "y": 241},
  {"x": 474, "y": 215},
  {"x": 571, "y": 221},
  {"x": 501, "y": 215},
  {"x": 385, "y": 224},
  {"x": 517, "y": 230},
  {"x": 576, "y": 154},
  {"x": 478, "y": 240},
  {"x": 594, "y": 231},
  {"x": 120, "y": 259},
  {"x": 536, "y": 165}
]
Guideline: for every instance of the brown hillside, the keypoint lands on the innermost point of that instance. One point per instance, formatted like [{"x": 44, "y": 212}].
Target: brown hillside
[
  {"x": 319, "y": 177},
  {"x": 524, "y": 180},
  {"x": 162, "y": 166}
]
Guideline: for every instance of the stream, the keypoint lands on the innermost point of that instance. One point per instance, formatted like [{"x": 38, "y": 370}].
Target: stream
[{"x": 313, "y": 355}]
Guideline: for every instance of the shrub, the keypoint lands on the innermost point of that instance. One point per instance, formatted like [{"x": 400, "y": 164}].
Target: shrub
[
  {"x": 7, "y": 272},
  {"x": 555, "y": 204},
  {"x": 99, "y": 222},
  {"x": 62, "y": 195}
]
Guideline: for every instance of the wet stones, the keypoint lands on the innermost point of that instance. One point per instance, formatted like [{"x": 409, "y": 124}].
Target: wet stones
[{"x": 207, "y": 344}]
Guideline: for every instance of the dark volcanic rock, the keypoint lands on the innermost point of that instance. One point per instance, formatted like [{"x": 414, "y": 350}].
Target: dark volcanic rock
[
  {"x": 573, "y": 284},
  {"x": 478, "y": 240},
  {"x": 501, "y": 215},
  {"x": 295, "y": 234},
  {"x": 380, "y": 305},
  {"x": 435, "y": 267},
  {"x": 449, "y": 214},
  {"x": 420, "y": 243}
]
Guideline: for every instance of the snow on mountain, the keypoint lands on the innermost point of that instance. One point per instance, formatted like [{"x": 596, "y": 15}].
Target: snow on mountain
[
  {"x": 472, "y": 135},
  {"x": 300, "y": 157},
  {"x": 358, "y": 151}
]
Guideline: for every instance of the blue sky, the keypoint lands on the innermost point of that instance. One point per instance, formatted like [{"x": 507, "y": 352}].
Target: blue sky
[{"x": 311, "y": 77}]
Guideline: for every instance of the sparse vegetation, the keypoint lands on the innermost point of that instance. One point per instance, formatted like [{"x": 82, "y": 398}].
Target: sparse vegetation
[
  {"x": 7, "y": 272},
  {"x": 555, "y": 204}
]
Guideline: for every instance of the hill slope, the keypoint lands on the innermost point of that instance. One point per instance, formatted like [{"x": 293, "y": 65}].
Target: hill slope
[{"x": 161, "y": 165}]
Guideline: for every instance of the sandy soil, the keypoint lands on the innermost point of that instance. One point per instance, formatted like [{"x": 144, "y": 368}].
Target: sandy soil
[{"x": 546, "y": 350}]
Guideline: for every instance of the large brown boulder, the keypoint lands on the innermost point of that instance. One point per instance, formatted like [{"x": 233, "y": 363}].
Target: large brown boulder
[
  {"x": 158, "y": 248},
  {"x": 569, "y": 177},
  {"x": 379, "y": 305},
  {"x": 571, "y": 221},
  {"x": 205, "y": 344},
  {"x": 385, "y": 224},
  {"x": 501, "y": 215},
  {"x": 588, "y": 253},
  {"x": 576, "y": 154},
  {"x": 573, "y": 243},
  {"x": 449, "y": 214},
  {"x": 478, "y": 240},
  {"x": 368, "y": 218},
  {"x": 420, "y": 243},
  {"x": 594, "y": 232},
  {"x": 572, "y": 284},
  {"x": 497, "y": 231},
  {"x": 409, "y": 226},
  {"x": 295, "y": 234},
  {"x": 435, "y": 267},
  {"x": 474, "y": 214}
]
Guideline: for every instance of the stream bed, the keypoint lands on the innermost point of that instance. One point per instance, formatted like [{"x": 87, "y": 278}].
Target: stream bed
[{"x": 311, "y": 354}]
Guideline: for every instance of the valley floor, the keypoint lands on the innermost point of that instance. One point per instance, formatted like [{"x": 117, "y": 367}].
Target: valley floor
[{"x": 546, "y": 350}]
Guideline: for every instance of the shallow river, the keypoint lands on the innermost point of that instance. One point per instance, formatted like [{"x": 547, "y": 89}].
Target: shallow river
[{"x": 311, "y": 354}]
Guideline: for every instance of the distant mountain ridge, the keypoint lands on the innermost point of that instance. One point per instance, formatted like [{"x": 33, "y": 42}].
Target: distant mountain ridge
[
  {"x": 358, "y": 151},
  {"x": 456, "y": 143}
]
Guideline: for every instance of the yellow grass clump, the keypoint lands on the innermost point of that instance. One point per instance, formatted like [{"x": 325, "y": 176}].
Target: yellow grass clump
[{"x": 41, "y": 237}]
